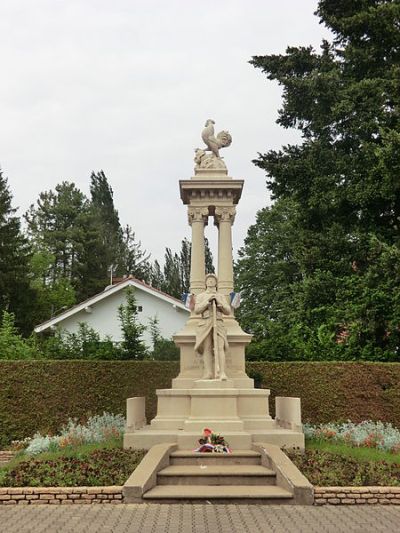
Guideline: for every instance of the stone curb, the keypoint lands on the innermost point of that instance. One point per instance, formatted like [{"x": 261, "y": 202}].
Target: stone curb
[
  {"x": 60, "y": 495},
  {"x": 356, "y": 495},
  {"x": 113, "y": 495}
]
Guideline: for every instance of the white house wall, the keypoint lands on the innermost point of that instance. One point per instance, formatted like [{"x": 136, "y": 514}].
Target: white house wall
[{"x": 103, "y": 317}]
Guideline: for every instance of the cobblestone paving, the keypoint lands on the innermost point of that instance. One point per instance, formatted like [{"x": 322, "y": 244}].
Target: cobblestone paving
[{"x": 204, "y": 518}]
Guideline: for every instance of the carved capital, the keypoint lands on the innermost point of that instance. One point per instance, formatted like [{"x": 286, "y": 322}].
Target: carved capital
[
  {"x": 198, "y": 214},
  {"x": 225, "y": 214}
]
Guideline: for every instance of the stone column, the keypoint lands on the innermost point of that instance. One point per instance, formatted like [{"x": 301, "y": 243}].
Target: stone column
[
  {"x": 224, "y": 218},
  {"x": 198, "y": 218}
]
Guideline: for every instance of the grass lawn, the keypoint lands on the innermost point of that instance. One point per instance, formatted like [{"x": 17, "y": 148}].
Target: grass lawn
[
  {"x": 90, "y": 464},
  {"x": 325, "y": 463}
]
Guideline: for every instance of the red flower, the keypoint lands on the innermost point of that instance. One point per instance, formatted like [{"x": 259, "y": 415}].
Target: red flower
[{"x": 207, "y": 432}]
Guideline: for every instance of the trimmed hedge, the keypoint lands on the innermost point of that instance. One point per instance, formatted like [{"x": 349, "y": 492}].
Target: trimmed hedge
[{"x": 42, "y": 395}]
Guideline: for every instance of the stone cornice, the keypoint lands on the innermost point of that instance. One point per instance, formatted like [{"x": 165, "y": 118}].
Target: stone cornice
[{"x": 211, "y": 191}]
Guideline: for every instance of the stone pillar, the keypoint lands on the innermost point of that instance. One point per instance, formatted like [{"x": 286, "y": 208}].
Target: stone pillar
[
  {"x": 224, "y": 218},
  {"x": 198, "y": 218}
]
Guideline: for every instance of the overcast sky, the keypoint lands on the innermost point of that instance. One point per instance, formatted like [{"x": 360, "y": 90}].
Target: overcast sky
[{"x": 126, "y": 86}]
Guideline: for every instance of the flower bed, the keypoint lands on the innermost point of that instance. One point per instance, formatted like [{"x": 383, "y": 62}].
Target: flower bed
[
  {"x": 110, "y": 466},
  {"x": 369, "y": 434},
  {"x": 97, "y": 429},
  {"x": 87, "y": 454},
  {"x": 323, "y": 468}
]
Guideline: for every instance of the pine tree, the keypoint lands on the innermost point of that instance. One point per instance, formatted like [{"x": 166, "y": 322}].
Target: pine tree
[
  {"x": 106, "y": 240},
  {"x": 156, "y": 276},
  {"x": 16, "y": 295},
  {"x": 57, "y": 225},
  {"x": 210, "y": 269},
  {"x": 175, "y": 278},
  {"x": 172, "y": 274},
  {"x": 184, "y": 257},
  {"x": 111, "y": 245},
  {"x": 133, "y": 260}
]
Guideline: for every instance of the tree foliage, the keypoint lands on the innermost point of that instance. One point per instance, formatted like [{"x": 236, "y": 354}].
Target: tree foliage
[
  {"x": 57, "y": 227},
  {"x": 132, "y": 347},
  {"x": 174, "y": 279},
  {"x": 332, "y": 290},
  {"x": 85, "y": 343},
  {"x": 12, "y": 344},
  {"x": 162, "y": 349},
  {"x": 75, "y": 242},
  {"x": 16, "y": 295}
]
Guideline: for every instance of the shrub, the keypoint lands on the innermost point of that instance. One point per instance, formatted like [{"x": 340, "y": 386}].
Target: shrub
[
  {"x": 132, "y": 347},
  {"x": 12, "y": 345},
  {"x": 98, "y": 428},
  {"x": 163, "y": 349},
  {"x": 84, "y": 344},
  {"x": 43, "y": 394}
]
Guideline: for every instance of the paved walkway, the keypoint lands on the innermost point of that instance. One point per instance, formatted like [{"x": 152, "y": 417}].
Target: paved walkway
[{"x": 154, "y": 518}]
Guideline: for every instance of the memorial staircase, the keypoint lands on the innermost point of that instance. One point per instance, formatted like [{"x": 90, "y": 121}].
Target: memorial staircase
[{"x": 261, "y": 475}]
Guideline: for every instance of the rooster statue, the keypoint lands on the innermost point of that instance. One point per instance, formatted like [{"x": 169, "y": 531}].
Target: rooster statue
[{"x": 213, "y": 143}]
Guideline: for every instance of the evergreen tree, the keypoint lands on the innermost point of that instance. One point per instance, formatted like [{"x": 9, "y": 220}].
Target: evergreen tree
[
  {"x": 210, "y": 269},
  {"x": 172, "y": 274},
  {"x": 104, "y": 238},
  {"x": 342, "y": 182},
  {"x": 156, "y": 275},
  {"x": 133, "y": 260},
  {"x": 16, "y": 295},
  {"x": 175, "y": 279},
  {"x": 132, "y": 347},
  {"x": 184, "y": 257},
  {"x": 111, "y": 244},
  {"x": 57, "y": 225}
]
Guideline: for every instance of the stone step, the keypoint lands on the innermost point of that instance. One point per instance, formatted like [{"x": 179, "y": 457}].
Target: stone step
[
  {"x": 218, "y": 494},
  {"x": 219, "y": 474},
  {"x": 239, "y": 457}
]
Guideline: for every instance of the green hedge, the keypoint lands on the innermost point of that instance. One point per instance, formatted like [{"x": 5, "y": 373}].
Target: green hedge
[{"x": 41, "y": 395}]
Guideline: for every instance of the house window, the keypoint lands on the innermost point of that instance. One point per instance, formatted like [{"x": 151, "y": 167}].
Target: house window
[{"x": 139, "y": 308}]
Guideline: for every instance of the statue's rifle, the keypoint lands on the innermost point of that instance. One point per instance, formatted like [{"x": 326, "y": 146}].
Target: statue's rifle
[{"x": 215, "y": 334}]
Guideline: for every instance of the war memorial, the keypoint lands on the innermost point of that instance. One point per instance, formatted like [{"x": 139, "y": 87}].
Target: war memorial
[{"x": 212, "y": 389}]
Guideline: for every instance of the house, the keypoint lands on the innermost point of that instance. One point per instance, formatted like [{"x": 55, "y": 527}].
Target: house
[{"x": 100, "y": 312}]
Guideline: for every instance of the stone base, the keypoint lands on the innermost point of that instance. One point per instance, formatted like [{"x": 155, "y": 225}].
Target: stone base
[
  {"x": 240, "y": 414},
  {"x": 233, "y": 408},
  {"x": 212, "y": 403},
  {"x": 188, "y": 440}
]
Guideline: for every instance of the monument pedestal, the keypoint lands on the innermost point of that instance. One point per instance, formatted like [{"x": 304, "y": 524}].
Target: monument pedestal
[{"x": 233, "y": 407}]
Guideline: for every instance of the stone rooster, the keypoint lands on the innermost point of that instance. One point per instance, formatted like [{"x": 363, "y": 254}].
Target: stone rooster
[{"x": 222, "y": 140}]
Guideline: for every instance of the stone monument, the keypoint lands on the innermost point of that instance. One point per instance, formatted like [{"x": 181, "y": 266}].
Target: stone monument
[{"x": 212, "y": 388}]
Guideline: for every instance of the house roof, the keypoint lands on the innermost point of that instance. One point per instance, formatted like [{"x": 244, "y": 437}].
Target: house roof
[{"x": 108, "y": 291}]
